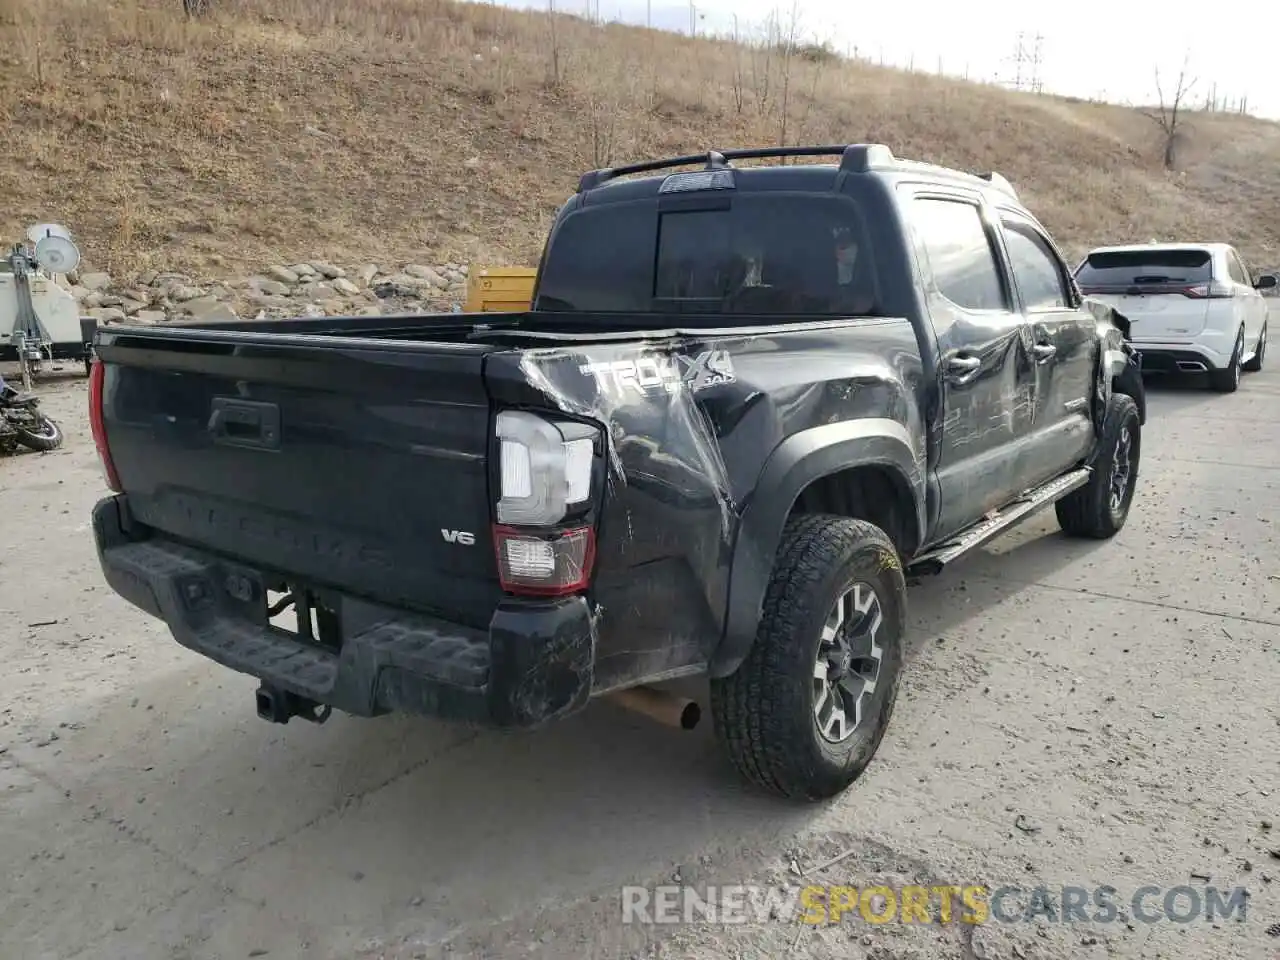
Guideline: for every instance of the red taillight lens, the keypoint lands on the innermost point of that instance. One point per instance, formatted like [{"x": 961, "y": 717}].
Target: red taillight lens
[
  {"x": 1207, "y": 291},
  {"x": 97, "y": 375},
  {"x": 544, "y": 565}
]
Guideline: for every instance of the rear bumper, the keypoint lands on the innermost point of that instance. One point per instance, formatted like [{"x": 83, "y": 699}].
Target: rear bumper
[
  {"x": 533, "y": 664},
  {"x": 1180, "y": 357}
]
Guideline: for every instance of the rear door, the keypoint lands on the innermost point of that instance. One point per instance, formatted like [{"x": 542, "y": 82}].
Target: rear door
[
  {"x": 1166, "y": 292},
  {"x": 988, "y": 378},
  {"x": 1253, "y": 309},
  {"x": 1063, "y": 339}
]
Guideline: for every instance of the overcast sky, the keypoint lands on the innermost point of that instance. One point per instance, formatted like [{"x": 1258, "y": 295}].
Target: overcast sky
[{"x": 1090, "y": 48}]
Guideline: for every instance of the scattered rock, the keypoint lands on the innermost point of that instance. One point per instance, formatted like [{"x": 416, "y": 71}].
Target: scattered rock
[
  {"x": 95, "y": 281},
  {"x": 316, "y": 291},
  {"x": 283, "y": 274},
  {"x": 345, "y": 286},
  {"x": 420, "y": 272},
  {"x": 391, "y": 288},
  {"x": 366, "y": 273},
  {"x": 182, "y": 292},
  {"x": 210, "y": 310},
  {"x": 273, "y": 287},
  {"x": 149, "y": 316},
  {"x": 269, "y": 302},
  {"x": 107, "y": 314},
  {"x": 329, "y": 270}
]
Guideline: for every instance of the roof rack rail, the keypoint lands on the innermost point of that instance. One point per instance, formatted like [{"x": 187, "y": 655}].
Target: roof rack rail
[
  {"x": 999, "y": 182},
  {"x": 854, "y": 158}
]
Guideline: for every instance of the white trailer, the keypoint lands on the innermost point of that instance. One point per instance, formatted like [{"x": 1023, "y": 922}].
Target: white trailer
[{"x": 40, "y": 319}]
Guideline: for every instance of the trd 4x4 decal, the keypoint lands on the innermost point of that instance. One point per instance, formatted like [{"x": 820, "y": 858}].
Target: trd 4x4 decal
[{"x": 653, "y": 374}]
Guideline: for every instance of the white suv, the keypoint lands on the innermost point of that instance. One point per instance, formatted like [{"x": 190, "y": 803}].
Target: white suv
[{"x": 1192, "y": 307}]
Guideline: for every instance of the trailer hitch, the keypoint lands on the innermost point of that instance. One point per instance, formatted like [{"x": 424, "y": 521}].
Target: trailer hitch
[{"x": 278, "y": 706}]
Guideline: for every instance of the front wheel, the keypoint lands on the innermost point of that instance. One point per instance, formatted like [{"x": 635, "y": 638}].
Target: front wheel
[
  {"x": 44, "y": 435},
  {"x": 1255, "y": 362},
  {"x": 806, "y": 711},
  {"x": 1098, "y": 510}
]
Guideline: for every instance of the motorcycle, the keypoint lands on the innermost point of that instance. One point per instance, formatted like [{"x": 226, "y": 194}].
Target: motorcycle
[{"x": 22, "y": 423}]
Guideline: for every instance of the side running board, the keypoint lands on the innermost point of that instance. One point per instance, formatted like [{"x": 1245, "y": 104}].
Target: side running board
[{"x": 998, "y": 522}]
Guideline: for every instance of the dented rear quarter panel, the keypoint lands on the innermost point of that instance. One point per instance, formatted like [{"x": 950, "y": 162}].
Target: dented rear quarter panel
[{"x": 693, "y": 418}]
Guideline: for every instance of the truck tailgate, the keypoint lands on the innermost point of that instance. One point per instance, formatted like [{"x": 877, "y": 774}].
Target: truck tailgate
[{"x": 336, "y": 462}]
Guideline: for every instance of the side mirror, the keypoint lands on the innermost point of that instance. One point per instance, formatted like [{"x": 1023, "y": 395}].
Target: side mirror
[{"x": 1266, "y": 281}]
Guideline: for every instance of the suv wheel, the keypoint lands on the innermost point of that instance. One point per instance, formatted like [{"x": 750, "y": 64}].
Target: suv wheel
[
  {"x": 1227, "y": 380},
  {"x": 805, "y": 712},
  {"x": 1255, "y": 362},
  {"x": 1099, "y": 509}
]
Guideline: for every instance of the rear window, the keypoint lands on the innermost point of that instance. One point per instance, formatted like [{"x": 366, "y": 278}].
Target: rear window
[
  {"x": 760, "y": 254},
  {"x": 1130, "y": 267}
]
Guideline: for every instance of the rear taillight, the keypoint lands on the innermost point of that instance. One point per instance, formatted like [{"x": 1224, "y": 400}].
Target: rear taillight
[
  {"x": 97, "y": 376},
  {"x": 1212, "y": 290},
  {"x": 547, "y": 565},
  {"x": 544, "y": 535}
]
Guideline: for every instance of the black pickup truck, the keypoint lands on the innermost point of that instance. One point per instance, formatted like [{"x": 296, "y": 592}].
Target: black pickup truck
[{"x": 748, "y": 401}]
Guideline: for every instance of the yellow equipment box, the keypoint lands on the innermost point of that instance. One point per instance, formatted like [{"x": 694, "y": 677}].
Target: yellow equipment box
[{"x": 500, "y": 289}]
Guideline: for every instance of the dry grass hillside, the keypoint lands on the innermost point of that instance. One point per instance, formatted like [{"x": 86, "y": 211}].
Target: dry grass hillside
[{"x": 277, "y": 130}]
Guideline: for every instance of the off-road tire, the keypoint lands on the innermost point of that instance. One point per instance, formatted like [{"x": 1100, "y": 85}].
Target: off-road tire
[
  {"x": 1089, "y": 511},
  {"x": 1227, "y": 380},
  {"x": 1254, "y": 363},
  {"x": 764, "y": 712}
]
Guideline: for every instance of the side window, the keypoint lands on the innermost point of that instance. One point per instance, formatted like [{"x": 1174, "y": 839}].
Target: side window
[
  {"x": 959, "y": 251},
  {"x": 1236, "y": 269},
  {"x": 1036, "y": 269}
]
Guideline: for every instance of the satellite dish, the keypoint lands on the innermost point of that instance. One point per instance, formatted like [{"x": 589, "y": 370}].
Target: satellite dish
[
  {"x": 42, "y": 230},
  {"x": 57, "y": 254}
]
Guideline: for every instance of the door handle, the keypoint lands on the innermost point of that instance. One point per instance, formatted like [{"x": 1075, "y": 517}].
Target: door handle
[
  {"x": 962, "y": 369},
  {"x": 1044, "y": 351}
]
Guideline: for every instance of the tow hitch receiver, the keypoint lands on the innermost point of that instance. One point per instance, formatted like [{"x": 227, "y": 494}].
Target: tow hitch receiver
[{"x": 277, "y": 706}]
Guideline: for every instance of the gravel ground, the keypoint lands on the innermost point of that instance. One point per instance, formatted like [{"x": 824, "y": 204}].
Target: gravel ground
[{"x": 1074, "y": 714}]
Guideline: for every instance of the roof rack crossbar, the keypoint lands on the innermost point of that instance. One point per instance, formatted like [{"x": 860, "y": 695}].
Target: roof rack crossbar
[{"x": 854, "y": 157}]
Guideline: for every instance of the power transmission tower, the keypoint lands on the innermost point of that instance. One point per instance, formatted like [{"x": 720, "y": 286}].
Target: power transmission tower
[
  {"x": 1026, "y": 62},
  {"x": 1036, "y": 84}
]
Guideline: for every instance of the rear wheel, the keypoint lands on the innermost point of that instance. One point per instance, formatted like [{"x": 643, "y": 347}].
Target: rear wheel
[
  {"x": 1227, "y": 380},
  {"x": 806, "y": 711},
  {"x": 1255, "y": 362},
  {"x": 1099, "y": 509},
  {"x": 42, "y": 435}
]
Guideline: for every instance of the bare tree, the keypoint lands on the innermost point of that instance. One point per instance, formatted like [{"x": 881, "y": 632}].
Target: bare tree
[
  {"x": 1169, "y": 116},
  {"x": 738, "y": 79},
  {"x": 788, "y": 54},
  {"x": 195, "y": 8}
]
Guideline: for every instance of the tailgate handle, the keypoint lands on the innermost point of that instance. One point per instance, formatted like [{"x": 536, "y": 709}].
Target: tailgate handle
[{"x": 245, "y": 423}]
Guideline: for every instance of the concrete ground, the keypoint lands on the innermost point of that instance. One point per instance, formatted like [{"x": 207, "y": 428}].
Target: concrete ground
[{"x": 1074, "y": 714}]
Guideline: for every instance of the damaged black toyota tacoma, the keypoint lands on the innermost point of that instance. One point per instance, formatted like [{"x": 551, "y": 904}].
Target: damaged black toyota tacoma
[{"x": 747, "y": 402}]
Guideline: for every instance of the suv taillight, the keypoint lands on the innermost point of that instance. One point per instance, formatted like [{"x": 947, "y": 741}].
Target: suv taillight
[
  {"x": 544, "y": 535},
  {"x": 97, "y": 377},
  {"x": 1213, "y": 290}
]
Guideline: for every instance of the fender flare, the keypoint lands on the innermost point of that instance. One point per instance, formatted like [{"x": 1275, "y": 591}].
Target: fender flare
[{"x": 794, "y": 464}]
